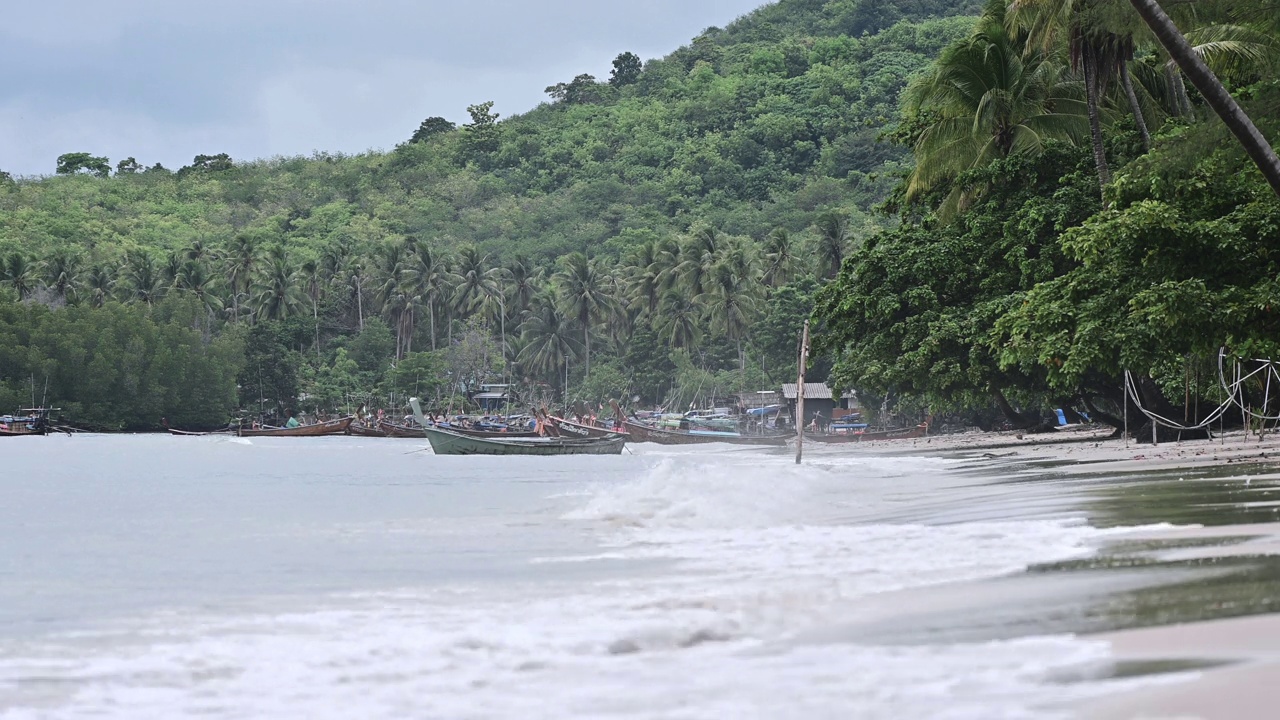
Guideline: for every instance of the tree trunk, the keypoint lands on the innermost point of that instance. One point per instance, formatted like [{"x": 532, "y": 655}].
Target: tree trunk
[
  {"x": 1135, "y": 106},
  {"x": 586, "y": 336},
  {"x": 359, "y": 304},
  {"x": 1092, "y": 87},
  {"x": 1013, "y": 416},
  {"x": 431, "y": 310},
  {"x": 1257, "y": 147}
]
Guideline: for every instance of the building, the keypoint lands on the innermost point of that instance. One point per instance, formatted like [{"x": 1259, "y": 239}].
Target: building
[
  {"x": 493, "y": 398},
  {"x": 818, "y": 399}
]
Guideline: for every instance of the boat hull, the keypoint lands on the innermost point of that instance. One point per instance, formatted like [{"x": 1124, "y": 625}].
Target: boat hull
[
  {"x": 898, "y": 434},
  {"x": 571, "y": 429},
  {"x": 329, "y": 427},
  {"x": 362, "y": 430},
  {"x": 448, "y": 442},
  {"x": 644, "y": 433}
]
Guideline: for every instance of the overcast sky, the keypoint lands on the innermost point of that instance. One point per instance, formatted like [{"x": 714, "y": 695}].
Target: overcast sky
[{"x": 165, "y": 80}]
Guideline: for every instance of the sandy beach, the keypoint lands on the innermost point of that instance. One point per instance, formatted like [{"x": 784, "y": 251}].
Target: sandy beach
[{"x": 1215, "y": 640}]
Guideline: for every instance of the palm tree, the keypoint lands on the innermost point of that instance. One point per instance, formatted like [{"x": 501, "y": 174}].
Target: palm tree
[
  {"x": 732, "y": 302},
  {"x": 62, "y": 274},
  {"x": 522, "y": 283},
  {"x": 21, "y": 274},
  {"x": 642, "y": 277},
  {"x": 780, "y": 256},
  {"x": 242, "y": 262},
  {"x": 194, "y": 278},
  {"x": 1215, "y": 94},
  {"x": 679, "y": 319},
  {"x": 833, "y": 238},
  {"x": 100, "y": 283},
  {"x": 142, "y": 277},
  {"x": 697, "y": 255},
  {"x": 476, "y": 278},
  {"x": 584, "y": 295},
  {"x": 277, "y": 294},
  {"x": 433, "y": 281},
  {"x": 312, "y": 272},
  {"x": 547, "y": 335},
  {"x": 396, "y": 291},
  {"x": 985, "y": 99}
]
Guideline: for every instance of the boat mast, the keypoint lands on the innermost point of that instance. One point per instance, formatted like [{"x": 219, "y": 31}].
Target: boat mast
[{"x": 804, "y": 356}]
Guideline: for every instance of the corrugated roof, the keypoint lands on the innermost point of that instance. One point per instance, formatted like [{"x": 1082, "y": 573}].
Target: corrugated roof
[{"x": 812, "y": 391}]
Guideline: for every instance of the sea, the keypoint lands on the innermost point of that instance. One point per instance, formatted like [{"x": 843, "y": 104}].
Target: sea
[{"x": 216, "y": 577}]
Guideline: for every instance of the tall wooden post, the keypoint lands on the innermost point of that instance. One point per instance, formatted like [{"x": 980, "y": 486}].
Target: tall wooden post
[{"x": 804, "y": 357}]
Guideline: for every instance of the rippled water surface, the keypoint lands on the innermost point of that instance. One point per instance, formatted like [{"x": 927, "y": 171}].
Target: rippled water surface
[{"x": 216, "y": 577}]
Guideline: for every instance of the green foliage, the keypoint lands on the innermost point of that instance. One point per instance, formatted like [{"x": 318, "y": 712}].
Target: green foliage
[
  {"x": 431, "y": 127},
  {"x": 82, "y": 162}
]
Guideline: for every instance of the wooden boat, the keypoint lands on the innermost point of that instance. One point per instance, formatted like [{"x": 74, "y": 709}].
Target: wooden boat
[
  {"x": 193, "y": 433},
  {"x": 328, "y": 427},
  {"x": 448, "y": 442},
  {"x": 571, "y": 429},
  {"x": 495, "y": 434},
  {"x": 644, "y": 433},
  {"x": 396, "y": 430},
  {"x": 365, "y": 430},
  {"x": 895, "y": 434},
  {"x": 35, "y": 422}
]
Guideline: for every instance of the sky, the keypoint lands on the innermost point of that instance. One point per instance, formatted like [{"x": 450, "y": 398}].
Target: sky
[{"x": 166, "y": 80}]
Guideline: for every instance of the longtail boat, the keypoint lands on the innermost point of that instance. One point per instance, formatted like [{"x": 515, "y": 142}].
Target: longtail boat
[
  {"x": 495, "y": 434},
  {"x": 448, "y": 442},
  {"x": 571, "y": 429},
  {"x": 365, "y": 430},
  {"x": 396, "y": 430},
  {"x": 193, "y": 433},
  {"x": 645, "y": 433},
  {"x": 895, "y": 434},
  {"x": 328, "y": 427}
]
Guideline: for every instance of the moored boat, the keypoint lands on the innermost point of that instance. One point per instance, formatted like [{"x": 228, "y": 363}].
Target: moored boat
[
  {"x": 895, "y": 434},
  {"x": 644, "y": 433},
  {"x": 571, "y": 429},
  {"x": 328, "y": 427},
  {"x": 448, "y": 442},
  {"x": 365, "y": 430},
  {"x": 35, "y": 422}
]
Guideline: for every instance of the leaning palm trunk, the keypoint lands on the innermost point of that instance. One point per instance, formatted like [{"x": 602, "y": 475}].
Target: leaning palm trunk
[
  {"x": 1194, "y": 67},
  {"x": 1134, "y": 105}
]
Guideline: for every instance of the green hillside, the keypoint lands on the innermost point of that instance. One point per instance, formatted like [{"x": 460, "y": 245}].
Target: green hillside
[{"x": 694, "y": 187}]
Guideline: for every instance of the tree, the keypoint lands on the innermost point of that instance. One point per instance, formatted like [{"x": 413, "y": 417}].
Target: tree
[
  {"x": 81, "y": 162},
  {"x": 548, "y": 337},
  {"x": 431, "y": 127},
  {"x": 277, "y": 295},
  {"x": 208, "y": 163},
  {"x": 984, "y": 99},
  {"x": 583, "y": 294},
  {"x": 833, "y": 239},
  {"x": 128, "y": 166},
  {"x": 242, "y": 262},
  {"x": 582, "y": 90},
  {"x": 626, "y": 70},
  {"x": 142, "y": 278},
  {"x": 62, "y": 274},
  {"x": 482, "y": 135},
  {"x": 21, "y": 274},
  {"x": 1212, "y": 89}
]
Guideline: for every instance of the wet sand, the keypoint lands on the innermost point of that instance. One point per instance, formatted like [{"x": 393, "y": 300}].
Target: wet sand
[{"x": 1197, "y": 602}]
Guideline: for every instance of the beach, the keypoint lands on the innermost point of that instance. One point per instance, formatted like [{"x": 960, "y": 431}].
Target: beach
[{"x": 1220, "y": 647}]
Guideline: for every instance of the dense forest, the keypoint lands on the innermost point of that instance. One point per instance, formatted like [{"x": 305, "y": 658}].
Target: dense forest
[{"x": 983, "y": 208}]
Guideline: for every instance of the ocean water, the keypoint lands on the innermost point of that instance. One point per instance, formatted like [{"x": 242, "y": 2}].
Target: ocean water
[{"x": 215, "y": 577}]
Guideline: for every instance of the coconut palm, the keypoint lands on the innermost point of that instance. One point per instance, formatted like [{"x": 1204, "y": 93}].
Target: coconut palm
[
  {"x": 732, "y": 302},
  {"x": 194, "y": 279},
  {"x": 1212, "y": 89},
  {"x": 780, "y": 257},
  {"x": 21, "y": 274},
  {"x": 642, "y": 278},
  {"x": 433, "y": 278},
  {"x": 833, "y": 241},
  {"x": 312, "y": 272},
  {"x": 476, "y": 278},
  {"x": 242, "y": 262},
  {"x": 277, "y": 294},
  {"x": 547, "y": 336},
  {"x": 62, "y": 274},
  {"x": 697, "y": 255},
  {"x": 585, "y": 295},
  {"x": 679, "y": 319},
  {"x": 984, "y": 99},
  {"x": 99, "y": 284},
  {"x": 142, "y": 277}
]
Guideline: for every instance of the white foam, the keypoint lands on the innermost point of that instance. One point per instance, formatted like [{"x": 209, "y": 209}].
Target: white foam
[{"x": 730, "y": 558}]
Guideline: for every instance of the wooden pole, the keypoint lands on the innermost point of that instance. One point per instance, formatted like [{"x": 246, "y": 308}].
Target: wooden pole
[{"x": 804, "y": 356}]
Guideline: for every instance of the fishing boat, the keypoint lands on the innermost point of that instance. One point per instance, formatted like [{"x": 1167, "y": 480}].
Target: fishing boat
[
  {"x": 894, "y": 434},
  {"x": 495, "y": 434},
  {"x": 193, "y": 433},
  {"x": 34, "y": 422},
  {"x": 571, "y": 429},
  {"x": 640, "y": 432},
  {"x": 397, "y": 430},
  {"x": 362, "y": 429},
  {"x": 328, "y": 427},
  {"x": 448, "y": 442}
]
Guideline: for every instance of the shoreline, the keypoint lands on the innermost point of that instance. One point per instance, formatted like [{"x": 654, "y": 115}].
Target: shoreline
[{"x": 1226, "y": 641}]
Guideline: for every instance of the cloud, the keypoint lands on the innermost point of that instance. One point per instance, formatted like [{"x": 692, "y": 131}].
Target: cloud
[{"x": 164, "y": 81}]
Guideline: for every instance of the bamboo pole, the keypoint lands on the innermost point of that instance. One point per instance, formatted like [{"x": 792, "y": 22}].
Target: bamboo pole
[{"x": 804, "y": 356}]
